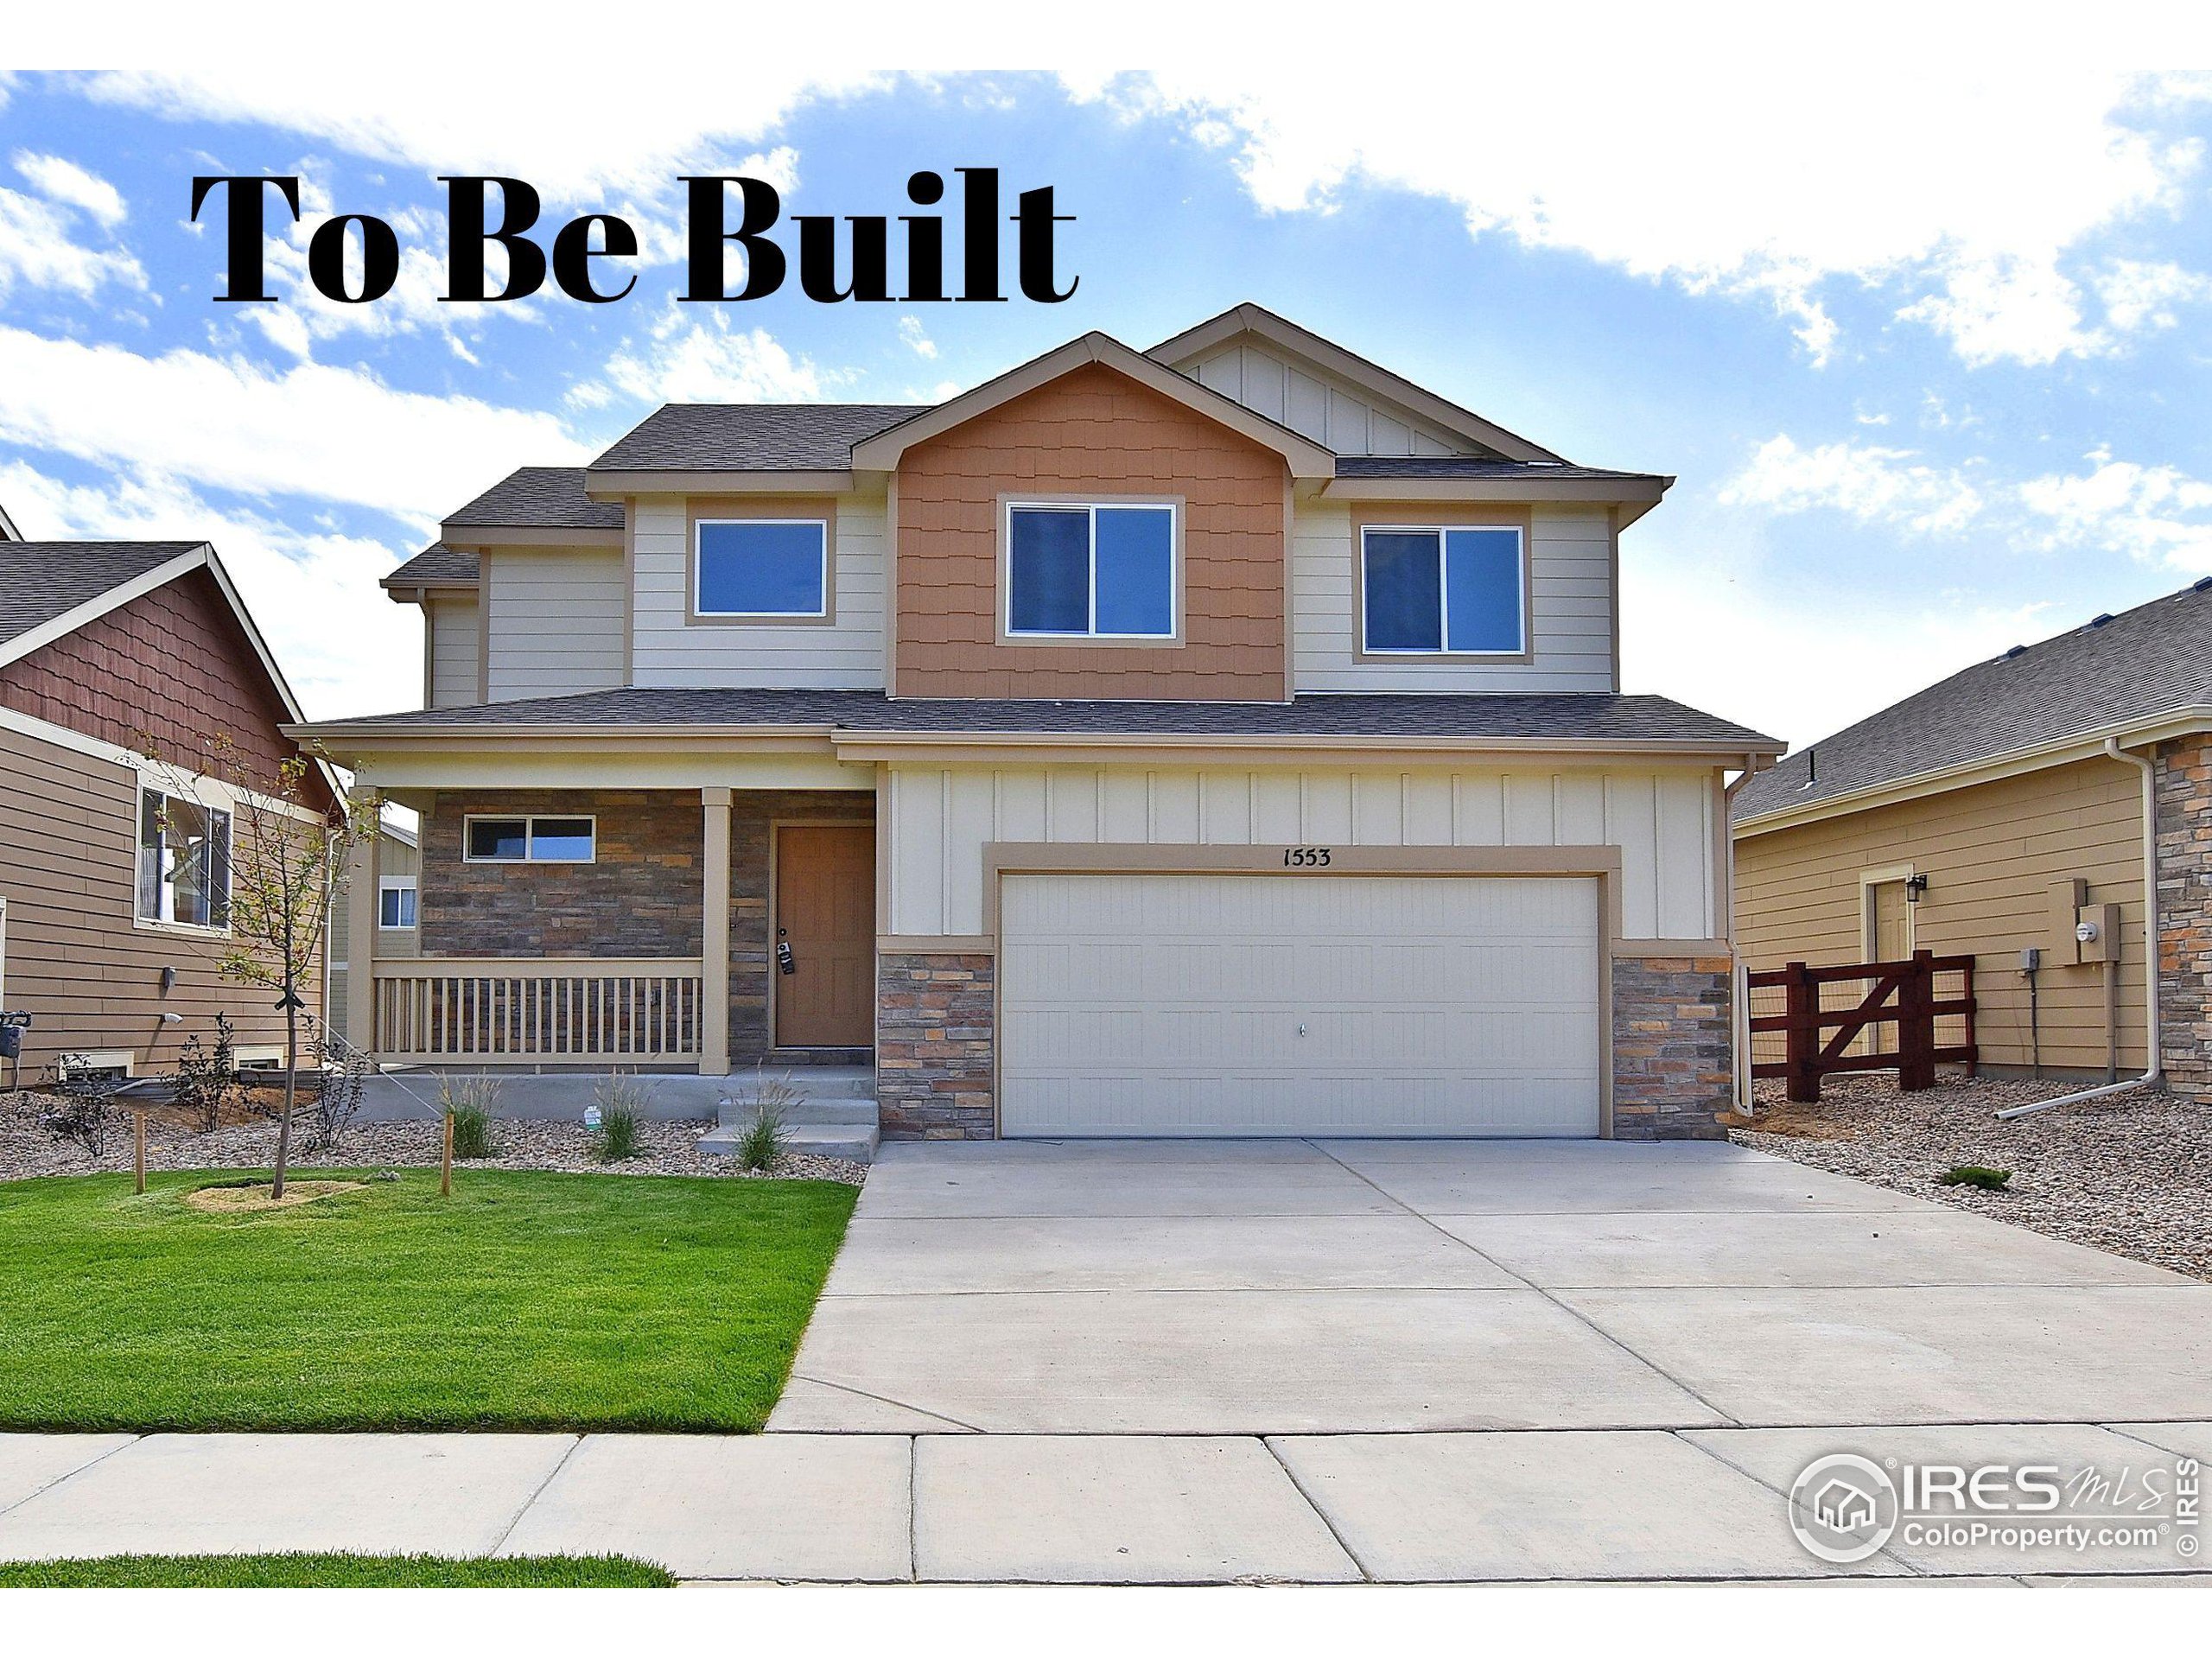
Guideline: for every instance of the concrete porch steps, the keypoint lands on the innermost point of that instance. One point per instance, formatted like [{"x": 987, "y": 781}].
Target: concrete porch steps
[{"x": 834, "y": 1117}]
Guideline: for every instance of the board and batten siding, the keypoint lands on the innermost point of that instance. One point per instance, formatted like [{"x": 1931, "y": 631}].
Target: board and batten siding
[
  {"x": 555, "y": 620},
  {"x": 1571, "y": 575},
  {"x": 669, "y": 650},
  {"x": 449, "y": 631},
  {"x": 939, "y": 820},
  {"x": 1316, "y": 404},
  {"x": 1991, "y": 854}
]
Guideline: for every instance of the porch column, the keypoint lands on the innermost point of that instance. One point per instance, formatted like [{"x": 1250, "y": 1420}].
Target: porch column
[
  {"x": 714, "y": 937},
  {"x": 361, "y": 938}
]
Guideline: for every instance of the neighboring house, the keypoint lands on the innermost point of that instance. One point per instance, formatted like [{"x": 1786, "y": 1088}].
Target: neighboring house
[
  {"x": 114, "y": 881},
  {"x": 396, "y": 863},
  {"x": 7, "y": 531},
  {"x": 2001, "y": 811},
  {"x": 1221, "y": 739}
]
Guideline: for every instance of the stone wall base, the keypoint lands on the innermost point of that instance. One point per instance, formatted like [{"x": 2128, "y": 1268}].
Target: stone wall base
[
  {"x": 1673, "y": 1068},
  {"x": 2184, "y": 786},
  {"x": 935, "y": 1043}
]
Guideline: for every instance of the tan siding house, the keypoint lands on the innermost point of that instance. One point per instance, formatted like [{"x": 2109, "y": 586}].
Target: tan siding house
[{"x": 2013, "y": 797}]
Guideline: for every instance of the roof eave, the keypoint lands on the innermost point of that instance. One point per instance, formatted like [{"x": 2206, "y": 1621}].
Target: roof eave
[
  {"x": 1641, "y": 492},
  {"x": 2040, "y": 757}
]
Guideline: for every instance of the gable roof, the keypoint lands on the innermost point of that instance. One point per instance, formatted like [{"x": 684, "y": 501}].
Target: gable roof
[
  {"x": 750, "y": 437},
  {"x": 2116, "y": 673},
  {"x": 435, "y": 566},
  {"x": 1305, "y": 458},
  {"x": 44, "y": 585},
  {"x": 1249, "y": 318}
]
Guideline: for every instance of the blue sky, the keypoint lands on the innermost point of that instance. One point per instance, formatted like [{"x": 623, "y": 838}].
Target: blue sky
[{"x": 1931, "y": 384}]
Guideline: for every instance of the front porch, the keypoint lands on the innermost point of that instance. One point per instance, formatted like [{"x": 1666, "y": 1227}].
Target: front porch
[{"x": 682, "y": 933}]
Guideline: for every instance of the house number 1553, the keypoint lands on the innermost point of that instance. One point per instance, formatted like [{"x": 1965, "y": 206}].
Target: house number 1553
[{"x": 1304, "y": 857}]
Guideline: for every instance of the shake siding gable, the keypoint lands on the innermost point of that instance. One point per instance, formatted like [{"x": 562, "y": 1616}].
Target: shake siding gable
[{"x": 1093, "y": 433}]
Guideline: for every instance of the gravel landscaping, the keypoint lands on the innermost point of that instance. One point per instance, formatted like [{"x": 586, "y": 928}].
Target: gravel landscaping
[
  {"x": 2131, "y": 1174},
  {"x": 667, "y": 1148}
]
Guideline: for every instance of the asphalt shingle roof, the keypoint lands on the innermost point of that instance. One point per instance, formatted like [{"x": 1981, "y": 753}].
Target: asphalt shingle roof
[
  {"x": 540, "y": 498},
  {"x": 435, "y": 566},
  {"x": 751, "y": 437},
  {"x": 2153, "y": 660},
  {"x": 40, "y": 580},
  {"x": 1586, "y": 716}
]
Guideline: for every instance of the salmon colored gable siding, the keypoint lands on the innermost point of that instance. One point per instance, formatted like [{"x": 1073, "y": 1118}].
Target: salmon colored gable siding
[
  {"x": 174, "y": 665},
  {"x": 1091, "y": 433}
]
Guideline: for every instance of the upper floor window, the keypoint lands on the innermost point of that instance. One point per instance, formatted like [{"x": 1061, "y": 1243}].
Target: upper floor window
[
  {"x": 529, "y": 841},
  {"x": 1442, "y": 588},
  {"x": 1083, "y": 571},
  {"x": 396, "y": 901},
  {"x": 184, "y": 860},
  {"x": 761, "y": 568}
]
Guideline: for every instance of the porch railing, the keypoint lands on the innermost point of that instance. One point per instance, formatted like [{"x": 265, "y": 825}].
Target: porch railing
[{"x": 434, "y": 1009}]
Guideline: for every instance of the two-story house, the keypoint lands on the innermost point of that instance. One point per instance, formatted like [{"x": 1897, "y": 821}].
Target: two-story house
[{"x": 1223, "y": 740}]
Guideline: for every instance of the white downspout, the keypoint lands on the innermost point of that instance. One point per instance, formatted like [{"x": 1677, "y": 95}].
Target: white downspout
[{"x": 2151, "y": 1042}]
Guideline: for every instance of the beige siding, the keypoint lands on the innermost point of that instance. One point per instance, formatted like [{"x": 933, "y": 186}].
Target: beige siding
[
  {"x": 449, "y": 635},
  {"x": 77, "y": 960},
  {"x": 1571, "y": 600},
  {"x": 846, "y": 654},
  {"x": 1325, "y": 408},
  {"x": 940, "y": 819},
  {"x": 394, "y": 857},
  {"x": 1990, "y": 854},
  {"x": 555, "y": 620}
]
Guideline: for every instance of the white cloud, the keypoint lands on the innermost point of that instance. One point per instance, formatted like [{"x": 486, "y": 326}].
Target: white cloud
[
  {"x": 1871, "y": 483},
  {"x": 2157, "y": 515},
  {"x": 917, "y": 337},
  {"x": 690, "y": 358},
  {"x": 39, "y": 248},
  {"x": 2140, "y": 295},
  {"x": 344, "y": 647},
  {"x": 63, "y": 180},
  {"x": 1724, "y": 176},
  {"x": 330, "y": 433}
]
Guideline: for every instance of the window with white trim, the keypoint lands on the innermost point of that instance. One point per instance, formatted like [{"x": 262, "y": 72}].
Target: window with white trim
[
  {"x": 1442, "y": 590},
  {"x": 534, "y": 840},
  {"x": 761, "y": 567},
  {"x": 1095, "y": 571},
  {"x": 396, "y": 901},
  {"x": 184, "y": 860}
]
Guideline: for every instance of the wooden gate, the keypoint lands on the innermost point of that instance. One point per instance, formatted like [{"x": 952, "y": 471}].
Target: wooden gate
[{"x": 1899, "y": 999}]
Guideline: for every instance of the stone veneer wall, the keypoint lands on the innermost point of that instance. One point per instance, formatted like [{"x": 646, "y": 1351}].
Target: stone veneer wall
[
  {"x": 639, "y": 897},
  {"x": 753, "y": 814},
  {"x": 934, "y": 1042},
  {"x": 2184, "y": 808},
  {"x": 1673, "y": 1054}
]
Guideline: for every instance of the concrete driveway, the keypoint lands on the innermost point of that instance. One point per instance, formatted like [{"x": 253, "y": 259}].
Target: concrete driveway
[{"x": 1348, "y": 1287}]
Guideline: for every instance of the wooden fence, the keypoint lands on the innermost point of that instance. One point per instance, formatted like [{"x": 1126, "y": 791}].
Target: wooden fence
[
  {"x": 430, "y": 1010},
  {"x": 1898, "y": 1000}
]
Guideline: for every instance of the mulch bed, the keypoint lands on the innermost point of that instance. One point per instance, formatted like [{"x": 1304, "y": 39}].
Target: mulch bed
[
  {"x": 26, "y": 1148},
  {"x": 2131, "y": 1174}
]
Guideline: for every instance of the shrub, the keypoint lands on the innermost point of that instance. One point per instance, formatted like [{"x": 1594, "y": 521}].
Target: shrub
[
  {"x": 470, "y": 1103},
  {"x": 205, "y": 1084},
  {"x": 768, "y": 1100},
  {"x": 344, "y": 1076},
  {"x": 1989, "y": 1180},
  {"x": 86, "y": 1111},
  {"x": 622, "y": 1104}
]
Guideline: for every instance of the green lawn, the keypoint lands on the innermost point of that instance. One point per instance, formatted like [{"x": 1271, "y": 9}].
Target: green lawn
[
  {"x": 524, "y": 1301},
  {"x": 335, "y": 1573}
]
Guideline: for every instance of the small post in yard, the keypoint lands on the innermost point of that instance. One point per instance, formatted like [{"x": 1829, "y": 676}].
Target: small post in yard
[
  {"x": 445, "y": 1164},
  {"x": 1800, "y": 1006},
  {"x": 138, "y": 1150}
]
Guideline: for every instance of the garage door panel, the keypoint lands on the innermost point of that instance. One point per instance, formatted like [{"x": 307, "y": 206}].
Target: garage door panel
[{"x": 1172, "y": 1005}]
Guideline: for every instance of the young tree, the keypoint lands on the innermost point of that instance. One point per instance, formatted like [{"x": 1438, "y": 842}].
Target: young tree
[{"x": 276, "y": 846}]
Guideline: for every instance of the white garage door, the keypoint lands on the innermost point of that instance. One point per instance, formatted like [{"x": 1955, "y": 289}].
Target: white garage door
[{"x": 1349, "y": 1005}]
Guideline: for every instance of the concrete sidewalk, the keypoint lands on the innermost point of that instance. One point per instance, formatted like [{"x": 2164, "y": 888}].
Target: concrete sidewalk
[{"x": 1642, "y": 1505}]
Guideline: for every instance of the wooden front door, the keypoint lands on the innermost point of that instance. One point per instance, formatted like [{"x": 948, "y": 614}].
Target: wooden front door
[{"x": 825, "y": 916}]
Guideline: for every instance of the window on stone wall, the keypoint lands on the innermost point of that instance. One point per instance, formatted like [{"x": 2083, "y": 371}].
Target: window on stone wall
[{"x": 529, "y": 840}]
